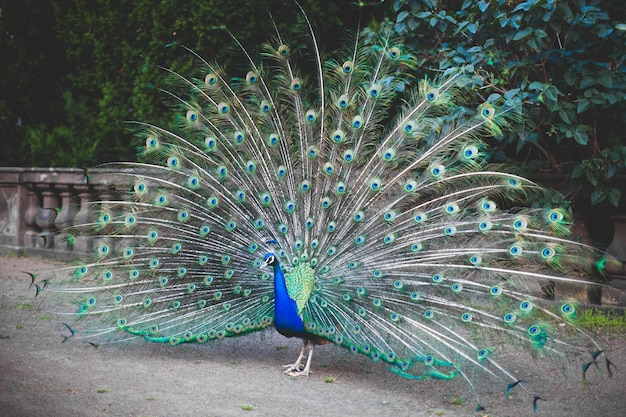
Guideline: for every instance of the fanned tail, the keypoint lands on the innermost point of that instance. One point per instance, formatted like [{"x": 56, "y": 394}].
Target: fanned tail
[{"x": 425, "y": 256}]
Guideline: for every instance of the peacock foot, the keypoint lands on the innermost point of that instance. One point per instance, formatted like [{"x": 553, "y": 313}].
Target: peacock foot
[
  {"x": 304, "y": 372},
  {"x": 294, "y": 367}
]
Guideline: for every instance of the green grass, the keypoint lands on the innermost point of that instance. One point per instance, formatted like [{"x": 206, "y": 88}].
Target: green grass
[
  {"x": 597, "y": 319},
  {"x": 102, "y": 390},
  {"x": 247, "y": 407},
  {"x": 329, "y": 379},
  {"x": 458, "y": 401}
]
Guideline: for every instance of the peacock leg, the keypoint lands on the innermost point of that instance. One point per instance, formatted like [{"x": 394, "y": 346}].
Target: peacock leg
[
  {"x": 298, "y": 371},
  {"x": 307, "y": 369},
  {"x": 297, "y": 365}
]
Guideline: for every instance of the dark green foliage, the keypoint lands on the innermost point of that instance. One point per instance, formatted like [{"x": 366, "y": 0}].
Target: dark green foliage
[
  {"x": 31, "y": 64},
  {"x": 75, "y": 70},
  {"x": 564, "y": 58}
]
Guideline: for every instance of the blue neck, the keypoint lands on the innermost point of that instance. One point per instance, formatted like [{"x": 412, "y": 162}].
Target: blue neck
[{"x": 286, "y": 318}]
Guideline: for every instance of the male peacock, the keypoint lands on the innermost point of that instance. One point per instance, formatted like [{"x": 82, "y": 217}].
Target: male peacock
[{"x": 324, "y": 206}]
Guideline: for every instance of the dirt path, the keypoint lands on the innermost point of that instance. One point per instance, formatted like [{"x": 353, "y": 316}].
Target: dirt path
[{"x": 40, "y": 376}]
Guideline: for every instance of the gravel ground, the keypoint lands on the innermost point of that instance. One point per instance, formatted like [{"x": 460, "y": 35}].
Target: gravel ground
[{"x": 40, "y": 376}]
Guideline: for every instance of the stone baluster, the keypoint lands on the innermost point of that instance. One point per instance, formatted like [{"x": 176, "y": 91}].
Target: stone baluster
[
  {"x": 30, "y": 219},
  {"x": 84, "y": 244},
  {"x": 64, "y": 219},
  {"x": 46, "y": 217}
]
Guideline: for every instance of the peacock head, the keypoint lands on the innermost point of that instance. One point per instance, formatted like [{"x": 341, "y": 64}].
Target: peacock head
[{"x": 269, "y": 259}]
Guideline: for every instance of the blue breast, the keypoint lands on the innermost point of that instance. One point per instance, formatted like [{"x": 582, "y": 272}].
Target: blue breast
[{"x": 286, "y": 318}]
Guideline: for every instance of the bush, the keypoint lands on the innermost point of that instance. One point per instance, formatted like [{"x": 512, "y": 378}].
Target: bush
[{"x": 564, "y": 59}]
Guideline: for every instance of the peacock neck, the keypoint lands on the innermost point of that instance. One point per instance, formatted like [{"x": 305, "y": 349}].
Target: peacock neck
[{"x": 286, "y": 318}]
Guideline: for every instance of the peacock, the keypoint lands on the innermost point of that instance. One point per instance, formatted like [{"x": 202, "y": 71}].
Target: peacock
[{"x": 350, "y": 204}]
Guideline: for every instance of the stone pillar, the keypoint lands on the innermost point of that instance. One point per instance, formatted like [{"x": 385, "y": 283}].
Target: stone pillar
[
  {"x": 46, "y": 217},
  {"x": 84, "y": 244},
  {"x": 30, "y": 219},
  {"x": 23, "y": 206},
  {"x": 64, "y": 219}
]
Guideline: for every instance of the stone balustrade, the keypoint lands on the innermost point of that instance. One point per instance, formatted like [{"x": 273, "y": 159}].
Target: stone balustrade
[{"x": 36, "y": 203}]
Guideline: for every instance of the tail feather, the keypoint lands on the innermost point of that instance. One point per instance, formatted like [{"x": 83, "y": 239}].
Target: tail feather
[{"x": 425, "y": 256}]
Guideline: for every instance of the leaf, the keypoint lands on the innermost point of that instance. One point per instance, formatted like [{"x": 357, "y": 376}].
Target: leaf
[
  {"x": 620, "y": 26},
  {"x": 569, "y": 78},
  {"x": 610, "y": 171},
  {"x": 523, "y": 33},
  {"x": 493, "y": 97},
  {"x": 587, "y": 9},
  {"x": 402, "y": 15},
  {"x": 597, "y": 196},
  {"x": 580, "y": 135},
  {"x": 525, "y": 6},
  {"x": 565, "y": 117},
  {"x": 511, "y": 93},
  {"x": 605, "y": 31},
  {"x": 578, "y": 171},
  {"x": 552, "y": 94},
  {"x": 587, "y": 81},
  {"x": 592, "y": 177},
  {"x": 583, "y": 105},
  {"x": 532, "y": 43},
  {"x": 606, "y": 81},
  {"x": 614, "y": 196}
]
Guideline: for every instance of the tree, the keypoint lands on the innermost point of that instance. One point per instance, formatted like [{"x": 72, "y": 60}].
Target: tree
[
  {"x": 565, "y": 59},
  {"x": 76, "y": 70}
]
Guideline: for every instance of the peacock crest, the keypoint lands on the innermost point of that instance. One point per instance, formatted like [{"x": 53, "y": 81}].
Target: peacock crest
[{"x": 350, "y": 205}]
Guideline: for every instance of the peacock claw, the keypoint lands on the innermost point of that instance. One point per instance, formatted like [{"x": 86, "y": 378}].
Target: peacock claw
[
  {"x": 304, "y": 372},
  {"x": 293, "y": 367}
]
